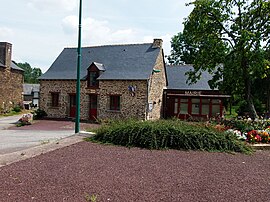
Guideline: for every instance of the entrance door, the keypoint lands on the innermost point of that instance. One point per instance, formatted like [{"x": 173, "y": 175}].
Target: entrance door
[
  {"x": 72, "y": 101},
  {"x": 93, "y": 107}
]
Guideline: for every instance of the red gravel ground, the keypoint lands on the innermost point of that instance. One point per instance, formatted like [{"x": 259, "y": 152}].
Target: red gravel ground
[
  {"x": 54, "y": 125},
  {"x": 121, "y": 174}
]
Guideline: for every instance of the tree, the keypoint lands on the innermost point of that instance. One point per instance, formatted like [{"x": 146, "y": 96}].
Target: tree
[
  {"x": 183, "y": 50},
  {"x": 230, "y": 37},
  {"x": 30, "y": 74}
]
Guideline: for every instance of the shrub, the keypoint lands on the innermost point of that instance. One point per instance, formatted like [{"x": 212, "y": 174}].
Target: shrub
[
  {"x": 17, "y": 109},
  {"x": 168, "y": 134},
  {"x": 38, "y": 114}
]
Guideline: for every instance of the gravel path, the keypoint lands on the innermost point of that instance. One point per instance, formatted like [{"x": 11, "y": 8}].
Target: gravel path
[
  {"x": 121, "y": 174},
  {"x": 54, "y": 125}
]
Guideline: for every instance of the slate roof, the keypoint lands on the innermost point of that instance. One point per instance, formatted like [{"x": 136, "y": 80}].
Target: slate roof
[
  {"x": 121, "y": 62},
  {"x": 14, "y": 66},
  {"x": 177, "y": 80},
  {"x": 29, "y": 88}
]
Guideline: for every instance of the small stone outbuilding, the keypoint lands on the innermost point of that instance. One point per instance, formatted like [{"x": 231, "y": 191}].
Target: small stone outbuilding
[
  {"x": 11, "y": 79},
  {"x": 117, "y": 82},
  {"x": 30, "y": 95}
]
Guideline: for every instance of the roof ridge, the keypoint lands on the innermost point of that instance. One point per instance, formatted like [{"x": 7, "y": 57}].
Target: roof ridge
[{"x": 110, "y": 45}]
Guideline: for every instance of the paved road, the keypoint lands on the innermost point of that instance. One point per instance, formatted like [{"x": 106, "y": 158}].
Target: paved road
[
  {"x": 6, "y": 122},
  {"x": 16, "y": 140},
  {"x": 20, "y": 139}
]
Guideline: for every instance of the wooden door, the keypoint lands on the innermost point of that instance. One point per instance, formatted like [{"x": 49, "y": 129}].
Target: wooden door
[
  {"x": 93, "y": 107},
  {"x": 72, "y": 101}
]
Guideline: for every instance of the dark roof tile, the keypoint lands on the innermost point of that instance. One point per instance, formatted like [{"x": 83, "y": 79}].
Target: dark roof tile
[
  {"x": 14, "y": 66},
  {"x": 178, "y": 80},
  {"x": 122, "y": 62}
]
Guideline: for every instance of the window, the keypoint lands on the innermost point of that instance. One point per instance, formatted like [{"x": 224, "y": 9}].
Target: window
[
  {"x": 205, "y": 106},
  {"x": 184, "y": 106},
  {"x": 216, "y": 107},
  {"x": 176, "y": 106},
  {"x": 93, "y": 82},
  {"x": 115, "y": 102},
  {"x": 55, "y": 99},
  {"x": 195, "y": 106}
]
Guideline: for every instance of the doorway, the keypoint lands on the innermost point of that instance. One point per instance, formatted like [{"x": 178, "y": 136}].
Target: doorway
[
  {"x": 93, "y": 107},
  {"x": 72, "y": 101}
]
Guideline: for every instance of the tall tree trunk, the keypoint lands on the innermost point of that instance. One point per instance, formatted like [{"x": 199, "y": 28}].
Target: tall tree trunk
[
  {"x": 252, "y": 111},
  {"x": 251, "y": 108}
]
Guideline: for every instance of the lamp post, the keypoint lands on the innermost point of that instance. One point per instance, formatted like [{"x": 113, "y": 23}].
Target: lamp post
[{"x": 78, "y": 83}]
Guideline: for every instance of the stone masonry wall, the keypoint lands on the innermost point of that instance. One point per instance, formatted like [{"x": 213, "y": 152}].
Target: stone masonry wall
[
  {"x": 131, "y": 106},
  {"x": 156, "y": 85},
  {"x": 64, "y": 88},
  {"x": 11, "y": 88}
]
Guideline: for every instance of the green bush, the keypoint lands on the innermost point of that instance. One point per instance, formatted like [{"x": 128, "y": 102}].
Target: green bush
[
  {"x": 38, "y": 114},
  {"x": 17, "y": 109},
  {"x": 168, "y": 134}
]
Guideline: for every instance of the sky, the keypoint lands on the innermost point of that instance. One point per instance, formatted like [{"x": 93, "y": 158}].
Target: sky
[{"x": 40, "y": 29}]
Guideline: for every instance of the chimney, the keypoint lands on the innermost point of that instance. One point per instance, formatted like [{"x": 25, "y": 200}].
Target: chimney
[
  {"x": 5, "y": 53},
  {"x": 157, "y": 43}
]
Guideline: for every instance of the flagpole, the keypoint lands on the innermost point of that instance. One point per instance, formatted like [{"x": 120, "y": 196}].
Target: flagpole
[{"x": 78, "y": 87}]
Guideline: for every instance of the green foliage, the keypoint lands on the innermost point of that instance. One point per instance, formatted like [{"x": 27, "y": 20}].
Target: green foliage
[
  {"x": 17, "y": 109},
  {"x": 38, "y": 114},
  {"x": 243, "y": 107},
  {"x": 183, "y": 50},
  {"x": 168, "y": 134},
  {"x": 246, "y": 125},
  {"x": 92, "y": 198},
  {"x": 30, "y": 74},
  {"x": 234, "y": 34}
]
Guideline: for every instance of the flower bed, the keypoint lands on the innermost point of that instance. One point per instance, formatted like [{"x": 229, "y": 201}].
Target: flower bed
[
  {"x": 26, "y": 119},
  {"x": 252, "y": 131}
]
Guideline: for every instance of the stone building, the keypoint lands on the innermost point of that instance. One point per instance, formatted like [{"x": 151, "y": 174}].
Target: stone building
[
  {"x": 196, "y": 101},
  {"x": 11, "y": 79},
  {"x": 117, "y": 82},
  {"x": 30, "y": 95}
]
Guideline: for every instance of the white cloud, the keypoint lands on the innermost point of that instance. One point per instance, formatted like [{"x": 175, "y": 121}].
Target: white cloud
[
  {"x": 70, "y": 24},
  {"x": 49, "y": 5},
  {"x": 97, "y": 32}
]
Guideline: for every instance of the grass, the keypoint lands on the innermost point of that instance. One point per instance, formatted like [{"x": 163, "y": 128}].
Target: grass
[
  {"x": 13, "y": 113},
  {"x": 168, "y": 134}
]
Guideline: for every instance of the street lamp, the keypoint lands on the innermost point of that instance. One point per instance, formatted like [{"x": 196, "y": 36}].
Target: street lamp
[{"x": 78, "y": 84}]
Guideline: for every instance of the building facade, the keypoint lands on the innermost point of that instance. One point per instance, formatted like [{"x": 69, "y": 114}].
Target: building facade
[
  {"x": 30, "y": 95},
  {"x": 191, "y": 102},
  {"x": 117, "y": 82},
  {"x": 11, "y": 79}
]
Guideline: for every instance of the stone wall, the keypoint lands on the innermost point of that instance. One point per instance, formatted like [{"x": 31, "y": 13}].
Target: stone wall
[
  {"x": 130, "y": 106},
  {"x": 11, "y": 88},
  {"x": 11, "y": 81},
  {"x": 157, "y": 83},
  {"x": 65, "y": 88}
]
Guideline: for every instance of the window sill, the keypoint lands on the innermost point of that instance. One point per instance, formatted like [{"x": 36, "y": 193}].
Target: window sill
[{"x": 92, "y": 87}]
